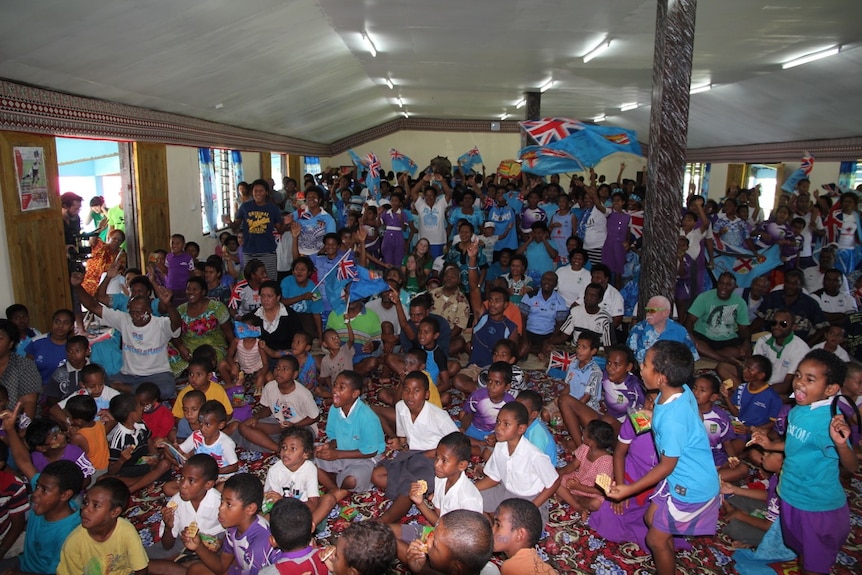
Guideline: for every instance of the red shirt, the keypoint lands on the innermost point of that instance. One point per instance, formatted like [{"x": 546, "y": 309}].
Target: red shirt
[{"x": 160, "y": 421}]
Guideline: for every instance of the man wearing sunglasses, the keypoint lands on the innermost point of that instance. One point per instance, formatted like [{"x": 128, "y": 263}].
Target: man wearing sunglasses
[
  {"x": 658, "y": 326},
  {"x": 783, "y": 349}
]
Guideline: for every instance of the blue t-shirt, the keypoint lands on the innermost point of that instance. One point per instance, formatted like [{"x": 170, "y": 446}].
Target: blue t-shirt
[
  {"x": 538, "y": 435},
  {"x": 477, "y": 218},
  {"x": 25, "y": 340},
  {"x": 757, "y": 408},
  {"x": 360, "y": 430},
  {"x": 314, "y": 228},
  {"x": 120, "y": 302},
  {"x": 540, "y": 261},
  {"x": 503, "y": 217},
  {"x": 289, "y": 289},
  {"x": 45, "y": 539},
  {"x": 46, "y": 354},
  {"x": 486, "y": 333},
  {"x": 809, "y": 478},
  {"x": 643, "y": 336},
  {"x": 543, "y": 314},
  {"x": 679, "y": 432}
]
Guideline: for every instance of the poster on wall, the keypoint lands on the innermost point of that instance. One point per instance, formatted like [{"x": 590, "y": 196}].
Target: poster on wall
[{"x": 30, "y": 175}]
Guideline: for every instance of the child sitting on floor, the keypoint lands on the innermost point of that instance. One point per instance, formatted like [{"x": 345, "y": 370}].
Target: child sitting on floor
[
  {"x": 195, "y": 506},
  {"x": 191, "y": 408},
  {"x": 834, "y": 339},
  {"x": 517, "y": 529},
  {"x": 104, "y": 542},
  {"x": 622, "y": 390},
  {"x": 517, "y": 468},
  {"x": 365, "y": 548},
  {"x": 300, "y": 348},
  {"x": 452, "y": 490},
  {"x": 292, "y": 527},
  {"x": 355, "y": 438},
  {"x": 294, "y": 475},
  {"x": 128, "y": 446},
  {"x": 537, "y": 433},
  {"x": 755, "y": 402},
  {"x": 201, "y": 379},
  {"x": 462, "y": 544},
  {"x": 283, "y": 403},
  {"x": 339, "y": 357},
  {"x": 88, "y": 433},
  {"x": 48, "y": 443},
  {"x": 209, "y": 440},
  {"x": 246, "y": 547},
  {"x": 246, "y": 357},
  {"x": 686, "y": 472},
  {"x": 419, "y": 427},
  {"x": 718, "y": 427},
  {"x": 751, "y": 512},
  {"x": 483, "y": 406},
  {"x": 592, "y": 458},
  {"x": 66, "y": 378},
  {"x": 505, "y": 350},
  {"x": 157, "y": 417},
  {"x": 584, "y": 377},
  {"x": 91, "y": 379}
]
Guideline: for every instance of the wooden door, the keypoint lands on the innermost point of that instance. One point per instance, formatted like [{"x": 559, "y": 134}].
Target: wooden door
[
  {"x": 736, "y": 174},
  {"x": 149, "y": 204},
  {"x": 37, "y": 252}
]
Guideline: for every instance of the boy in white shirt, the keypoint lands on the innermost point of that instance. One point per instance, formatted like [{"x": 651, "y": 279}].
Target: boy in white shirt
[
  {"x": 419, "y": 427},
  {"x": 517, "y": 468}
]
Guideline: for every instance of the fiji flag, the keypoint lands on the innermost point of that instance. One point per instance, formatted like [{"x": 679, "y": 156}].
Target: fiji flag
[
  {"x": 550, "y": 130},
  {"x": 357, "y": 161},
  {"x": 401, "y": 163},
  {"x": 334, "y": 287},
  {"x": 372, "y": 180},
  {"x": 744, "y": 265},
  {"x": 559, "y": 362},
  {"x": 584, "y": 148},
  {"x": 469, "y": 159},
  {"x": 367, "y": 283}
]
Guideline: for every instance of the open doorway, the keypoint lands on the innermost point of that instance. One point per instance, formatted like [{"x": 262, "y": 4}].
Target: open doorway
[
  {"x": 91, "y": 169},
  {"x": 765, "y": 176}
]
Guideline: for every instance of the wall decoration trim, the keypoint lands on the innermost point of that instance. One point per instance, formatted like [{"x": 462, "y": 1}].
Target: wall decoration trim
[
  {"x": 836, "y": 150},
  {"x": 39, "y": 111}
]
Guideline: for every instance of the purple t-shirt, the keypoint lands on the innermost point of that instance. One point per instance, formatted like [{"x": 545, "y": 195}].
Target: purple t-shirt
[
  {"x": 718, "y": 430},
  {"x": 619, "y": 397},
  {"x": 179, "y": 267},
  {"x": 72, "y": 453},
  {"x": 642, "y": 455},
  {"x": 484, "y": 410},
  {"x": 251, "y": 550}
]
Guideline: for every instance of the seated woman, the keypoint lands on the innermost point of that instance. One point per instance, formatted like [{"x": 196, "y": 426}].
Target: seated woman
[
  {"x": 204, "y": 321},
  {"x": 103, "y": 255},
  {"x": 279, "y": 323},
  {"x": 298, "y": 293}
]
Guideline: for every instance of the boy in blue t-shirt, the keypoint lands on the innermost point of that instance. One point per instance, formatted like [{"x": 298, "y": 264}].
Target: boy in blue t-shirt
[
  {"x": 755, "y": 403},
  {"x": 686, "y": 501},
  {"x": 537, "y": 433},
  {"x": 49, "y": 349},
  {"x": 584, "y": 377}
]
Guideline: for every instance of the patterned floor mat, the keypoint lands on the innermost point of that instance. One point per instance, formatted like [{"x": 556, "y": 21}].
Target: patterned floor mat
[{"x": 567, "y": 544}]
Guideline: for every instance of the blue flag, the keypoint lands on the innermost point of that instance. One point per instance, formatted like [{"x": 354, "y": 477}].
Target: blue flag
[
  {"x": 469, "y": 159},
  {"x": 583, "y": 149},
  {"x": 744, "y": 265},
  {"x": 367, "y": 284},
  {"x": 401, "y": 163},
  {"x": 357, "y": 161}
]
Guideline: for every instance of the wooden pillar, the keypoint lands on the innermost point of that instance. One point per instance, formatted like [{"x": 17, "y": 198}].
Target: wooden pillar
[
  {"x": 532, "y": 111},
  {"x": 37, "y": 251},
  {"x": 149, "y": 202},
  {"x": 266, "y": 166},
  {"x": 294, "y": 168},
  {"x": 674, "y": 48}
]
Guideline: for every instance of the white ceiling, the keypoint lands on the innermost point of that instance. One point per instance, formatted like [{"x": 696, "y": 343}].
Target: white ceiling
[{"x": 299, "y": 67}]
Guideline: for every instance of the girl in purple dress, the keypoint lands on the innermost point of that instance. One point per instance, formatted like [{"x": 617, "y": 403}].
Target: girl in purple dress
[
  {"x": 617, "y": 240},
  {"x": 393, "y": 238}
]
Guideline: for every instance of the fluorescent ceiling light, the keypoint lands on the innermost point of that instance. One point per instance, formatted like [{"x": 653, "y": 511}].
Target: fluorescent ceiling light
[
  {"x": 405, "y": 114},
  {"x": 603, "y": 45},
  {"x": 369, "y": 44},
  {"x": 547, "y": 86},
  {"x": 811, "y": 57},
  {"x": 600, "y": 118},
  {"x": 627, "y": 107},
  {"x": 400, "y": 102},
  {"x": 699, "y": 89},
  {"x": 390, "y": 84},
  {"x": 521, "y": 103},
  {"x": 504, "y": 115}
]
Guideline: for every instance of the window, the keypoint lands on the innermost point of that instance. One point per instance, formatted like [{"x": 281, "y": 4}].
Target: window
[
  {"x": 277, "y": 164},
  {"x": 224, "y": 184},
  {"x": 694, "y": 173}
]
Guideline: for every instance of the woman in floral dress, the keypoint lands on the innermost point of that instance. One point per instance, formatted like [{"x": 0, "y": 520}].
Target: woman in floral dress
[{"x": 205, "y": 322}]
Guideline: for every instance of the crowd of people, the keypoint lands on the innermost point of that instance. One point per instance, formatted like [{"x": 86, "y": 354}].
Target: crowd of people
[{"x": 191, "y": 359}]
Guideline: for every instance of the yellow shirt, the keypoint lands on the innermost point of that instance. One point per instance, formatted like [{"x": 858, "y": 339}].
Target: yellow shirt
[
  {"x": 215, "y": 391},
  {"x": 433, "y": 393},
  {"x": 122, "y": 554}
]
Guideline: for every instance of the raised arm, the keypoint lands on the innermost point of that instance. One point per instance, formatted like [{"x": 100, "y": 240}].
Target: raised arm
[
  {"x": 473, "y": 278},
  {"x": 86, "y": 299},
  {"x": 165, "y": 307}
]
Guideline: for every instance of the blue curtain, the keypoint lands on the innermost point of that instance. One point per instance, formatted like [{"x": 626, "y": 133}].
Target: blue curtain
[
  {"x": 236, "y": 166},
  {"x": 704, "y": 183},
  {"x": 847, "y": 175},
  {"x": 210, "y": 217}
]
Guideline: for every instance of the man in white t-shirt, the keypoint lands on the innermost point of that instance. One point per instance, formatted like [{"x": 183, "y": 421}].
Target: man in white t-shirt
[
  {"x": 430, "y": 209},
  {"x": 574, "y": 278},
  {"x": 145, "y": 337}
]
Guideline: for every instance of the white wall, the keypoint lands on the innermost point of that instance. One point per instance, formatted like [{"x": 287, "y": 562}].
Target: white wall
[{"x": 184, "y": 191}]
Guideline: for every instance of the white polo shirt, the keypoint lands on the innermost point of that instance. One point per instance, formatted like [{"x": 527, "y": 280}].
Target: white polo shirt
[
  {"x": 462, "y": 495},
  {"x": 526, "y": 472},
  {"x": 431, "y": 425}
]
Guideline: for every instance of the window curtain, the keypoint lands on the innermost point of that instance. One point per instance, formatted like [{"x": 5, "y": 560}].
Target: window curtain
[
  {"x": 847, "y": 175},
  {"x": 210, "y": 219},
  {"x": 236, "y": 166},
  {"x": 312, "y": 165}
]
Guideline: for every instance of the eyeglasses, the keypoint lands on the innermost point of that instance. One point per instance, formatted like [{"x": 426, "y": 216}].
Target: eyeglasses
[
  {"x": 782, "y": 323},
  {"x": 655, "y": 309}
]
